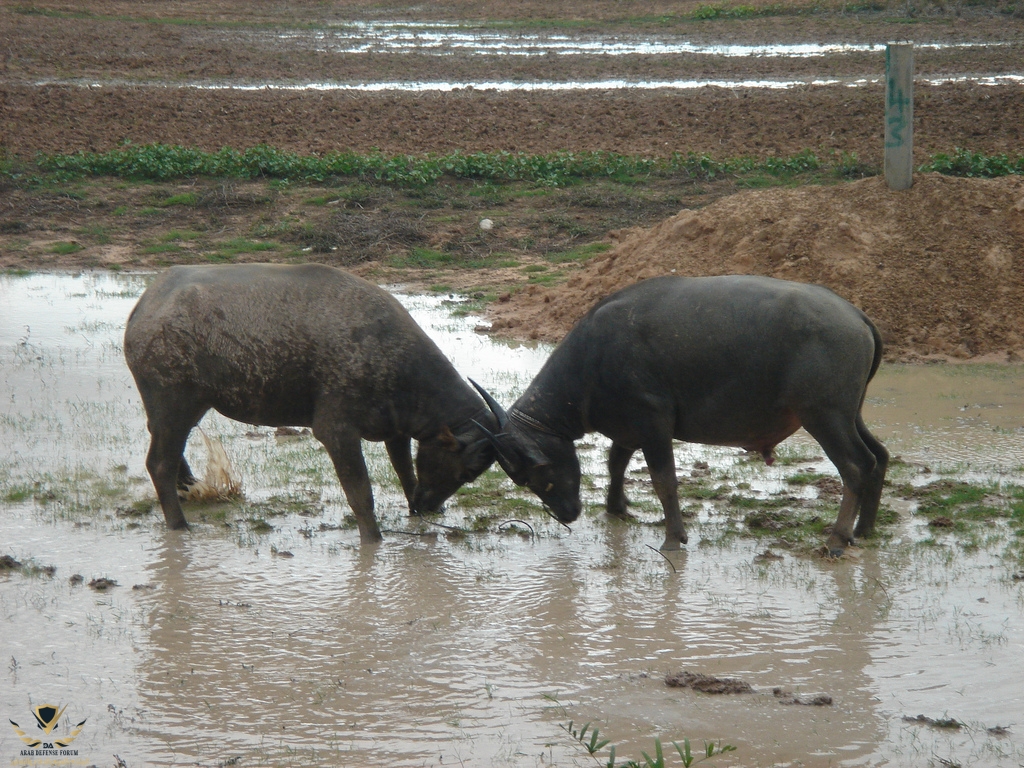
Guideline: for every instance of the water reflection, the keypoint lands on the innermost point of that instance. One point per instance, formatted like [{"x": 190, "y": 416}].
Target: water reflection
[
  {"x": 505, "y": 86},
  {"x": 298, "y": 646},
  {"x": 448, "y": 38}
]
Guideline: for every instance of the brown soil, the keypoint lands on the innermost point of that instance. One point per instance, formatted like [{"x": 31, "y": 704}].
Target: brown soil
[{"x": 939, "y": 268}]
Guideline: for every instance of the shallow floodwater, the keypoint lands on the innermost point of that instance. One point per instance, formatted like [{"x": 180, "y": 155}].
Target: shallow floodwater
[
  {"x": 289, "y": 644},
  {"x": 449, "y": 39},
  {"x": 446, "y": 38},
  {"x": 506, "y": 86}
]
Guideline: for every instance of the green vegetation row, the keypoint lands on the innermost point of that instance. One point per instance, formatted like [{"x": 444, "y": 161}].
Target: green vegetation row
[{"x": 160, "y": 162}]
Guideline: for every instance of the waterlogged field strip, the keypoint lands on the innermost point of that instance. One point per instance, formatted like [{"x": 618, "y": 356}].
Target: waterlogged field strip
[
  {"x": 481, "y": 641},
  {"x": 606, "y": 84},
  {"x": 442, "y": 39},
  {"x": 529, "y": 37}
]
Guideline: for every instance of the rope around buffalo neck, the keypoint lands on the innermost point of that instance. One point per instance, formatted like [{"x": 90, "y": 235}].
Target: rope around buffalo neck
[{"x": 528, "y": 421}]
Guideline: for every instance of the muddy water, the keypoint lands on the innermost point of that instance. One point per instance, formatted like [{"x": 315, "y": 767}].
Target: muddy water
[{"x": 297, "y": 647}]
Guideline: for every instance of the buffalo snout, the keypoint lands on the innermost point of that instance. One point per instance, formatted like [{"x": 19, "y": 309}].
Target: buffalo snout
[
  {"x": 427, "y": 502},
  {"x": 563, "y": 510}
]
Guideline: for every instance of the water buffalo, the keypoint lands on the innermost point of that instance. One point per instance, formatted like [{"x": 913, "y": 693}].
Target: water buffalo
[
  {"x": 302, "y": 346},
  {"x": 732, "y": 360}
]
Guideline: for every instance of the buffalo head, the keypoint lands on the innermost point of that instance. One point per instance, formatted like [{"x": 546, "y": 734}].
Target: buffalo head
[
  {"x": 447, "y": 461},
  {"x": 544, "y": 462}
]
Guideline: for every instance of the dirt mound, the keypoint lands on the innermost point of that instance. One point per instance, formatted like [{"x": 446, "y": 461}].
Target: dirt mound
[{"x": 939, "y": 268}]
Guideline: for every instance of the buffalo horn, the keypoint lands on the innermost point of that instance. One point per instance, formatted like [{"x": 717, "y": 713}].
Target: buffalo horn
[
  {"x": 496, "y": 409},
  {"x": 509, "y": 461}
]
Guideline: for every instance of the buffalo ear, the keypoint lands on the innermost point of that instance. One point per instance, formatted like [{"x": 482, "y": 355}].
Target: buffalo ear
[
  {"x": 448, "y": 440},
  {"x": 536, "y": 457},
  {"x": 474, "y": 449}
]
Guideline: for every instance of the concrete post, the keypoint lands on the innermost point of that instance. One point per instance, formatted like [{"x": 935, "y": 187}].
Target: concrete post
[{"x": 899, "y": 115}]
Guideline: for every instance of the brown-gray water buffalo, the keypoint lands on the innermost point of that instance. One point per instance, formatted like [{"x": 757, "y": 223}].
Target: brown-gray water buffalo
[
  {"x": 732, "y": 360},
  {"x": 306, "y": 346}
]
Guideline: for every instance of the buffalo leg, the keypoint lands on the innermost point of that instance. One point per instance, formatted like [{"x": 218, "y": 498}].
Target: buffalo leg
[
  {"x": 618, "y": 460},
  {"x": 872, "y": 494},
  {"x": 400, "y": 453},
  {"x": 347, "y": 454},
  {"x": 164, "y": 463},
  {"x": 858, "y": 466},
  {"x": 662, "y": 465},
  {"x": 185, "y": 476}
]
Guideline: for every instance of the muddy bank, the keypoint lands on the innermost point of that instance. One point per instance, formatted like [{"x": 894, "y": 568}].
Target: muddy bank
[{"x": 938, "y": 268}]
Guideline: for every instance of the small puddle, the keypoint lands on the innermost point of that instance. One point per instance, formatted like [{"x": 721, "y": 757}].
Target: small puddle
[{"x": 291, "y": 644}]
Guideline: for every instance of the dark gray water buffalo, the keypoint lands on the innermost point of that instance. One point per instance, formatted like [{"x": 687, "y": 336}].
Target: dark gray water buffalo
[
  {"x": 734, "y": 360},
  {"x": 302, "y": 346}
]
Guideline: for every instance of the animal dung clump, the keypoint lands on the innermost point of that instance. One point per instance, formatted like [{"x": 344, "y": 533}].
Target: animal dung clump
[
  {"x": 788, "y": 697},
  {"x": 711, "y": 684},
  {"x": 828, "y": 486},
  {"x": 942, "y": 722},
  {"x": 772, "y": 520},
  {"x": 707, "y": 683}
]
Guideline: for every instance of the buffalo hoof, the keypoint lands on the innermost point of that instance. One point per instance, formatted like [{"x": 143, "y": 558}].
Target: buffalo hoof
[
  {"x": 835, "y": 545},
  {"x": 830, "y": 551},
  {"x": 671, "y": 545}
]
